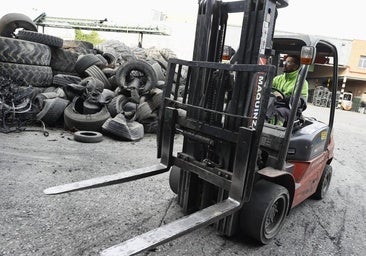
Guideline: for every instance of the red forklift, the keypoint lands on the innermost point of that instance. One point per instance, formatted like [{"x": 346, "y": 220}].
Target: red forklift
[{"x": 234, "y": 169}]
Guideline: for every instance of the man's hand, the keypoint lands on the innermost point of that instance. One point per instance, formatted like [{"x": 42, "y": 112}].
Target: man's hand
[{"x": 278, "y": 95}]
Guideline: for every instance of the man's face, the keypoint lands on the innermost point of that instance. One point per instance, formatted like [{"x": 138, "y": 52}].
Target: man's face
[{"x": 289, "y": 65}]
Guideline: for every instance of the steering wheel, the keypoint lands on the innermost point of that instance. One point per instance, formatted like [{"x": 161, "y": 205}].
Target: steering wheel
[{"x": 281, "y": 93}]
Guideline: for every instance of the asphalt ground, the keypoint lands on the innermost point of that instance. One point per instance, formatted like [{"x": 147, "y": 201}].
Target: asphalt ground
[{"x": 89, "y": 221}]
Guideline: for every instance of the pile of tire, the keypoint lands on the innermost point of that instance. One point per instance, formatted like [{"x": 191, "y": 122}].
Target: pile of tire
[{"x": 109, "y": 88}]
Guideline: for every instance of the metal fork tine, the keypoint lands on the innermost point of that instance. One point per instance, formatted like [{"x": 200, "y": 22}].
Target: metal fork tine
[{"x": 108, "y": 180}]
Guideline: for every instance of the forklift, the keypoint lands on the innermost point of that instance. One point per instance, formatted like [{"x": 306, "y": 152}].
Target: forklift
[{"x": 234, "y": 170}]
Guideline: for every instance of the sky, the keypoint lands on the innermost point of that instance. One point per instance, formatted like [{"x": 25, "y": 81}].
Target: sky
[
  {"x": 331, "y": 18},
  {"x": 340, "y": 19}
]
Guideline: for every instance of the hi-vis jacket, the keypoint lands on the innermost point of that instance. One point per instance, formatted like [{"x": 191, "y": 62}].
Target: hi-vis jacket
[{"x": 286, "y": 83}]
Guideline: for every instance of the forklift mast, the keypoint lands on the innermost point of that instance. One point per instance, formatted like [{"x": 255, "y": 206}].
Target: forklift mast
[
  {"x": 224, "y": 105},
  {"x": 255, "y": 42}
]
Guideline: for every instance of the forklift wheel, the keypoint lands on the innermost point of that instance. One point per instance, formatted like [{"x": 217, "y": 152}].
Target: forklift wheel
[
  {"x": 174, "y": 178},
  {"x": 324, "y": 183},
  {"x": 263, "y": 216}
]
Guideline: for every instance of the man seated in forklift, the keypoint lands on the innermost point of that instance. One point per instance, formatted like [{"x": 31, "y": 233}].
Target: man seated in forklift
[{"x": 282, "y": 88}]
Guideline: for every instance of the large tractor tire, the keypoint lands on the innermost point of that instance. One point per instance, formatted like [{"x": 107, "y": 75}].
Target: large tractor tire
[
  {"x": 38, "y": 76},
  {"x": 24, "y": 52}
]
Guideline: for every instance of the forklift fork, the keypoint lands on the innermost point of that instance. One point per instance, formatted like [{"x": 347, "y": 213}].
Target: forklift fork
[
  {"x": 108, "y": 180},
  {"x": 174, "y": 229}
]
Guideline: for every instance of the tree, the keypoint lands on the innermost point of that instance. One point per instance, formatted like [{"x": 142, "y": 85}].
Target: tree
[{"x": 92, "y": 37}]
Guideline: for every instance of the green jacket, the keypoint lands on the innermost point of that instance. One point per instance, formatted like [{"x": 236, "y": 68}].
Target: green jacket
[{"x": 286, "y": 82}]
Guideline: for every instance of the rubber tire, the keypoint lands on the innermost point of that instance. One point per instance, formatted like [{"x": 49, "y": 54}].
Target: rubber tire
[
  {"x": 90, "y": 122},
  {"x": 254, "y": 213},
  {"x": 10, "y": 22},
  {"x": 64, "y": 60},
  {"x": 85, "y": 61},
  {"x": 115, "y": 106},
  {"x": 143, "y": 111},
  {"x": 52, "y": 111},
  {"x": 88, "y": 136},
  {"x": 96, "y": 72},
  {"x": 123, "y": 73},
  {"x": 324, "y": 183},
  {"x": 36, "y": 37},
  {"x": 38, "y": 76},
  {"x": 64, "y": 80},
  {"x": 174, "y": 178},
  {"x": 24, "y": 52}
]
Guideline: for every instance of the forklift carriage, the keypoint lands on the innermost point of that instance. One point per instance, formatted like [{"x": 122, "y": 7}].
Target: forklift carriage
[{"x": 234, "y": 169}]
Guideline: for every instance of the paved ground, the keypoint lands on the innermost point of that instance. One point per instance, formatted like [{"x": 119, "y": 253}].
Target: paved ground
[{"x": 86, "y": 222}]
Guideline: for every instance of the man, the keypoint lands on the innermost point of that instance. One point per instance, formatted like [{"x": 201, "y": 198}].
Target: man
[{"x": 285, "y": 83}]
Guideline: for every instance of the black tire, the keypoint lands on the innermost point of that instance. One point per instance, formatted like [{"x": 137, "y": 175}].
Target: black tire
[
  {"x": 116, "y": 105},
  {"x": 85, "y": 61},
  {"x": 64, "y": 80},
  {"x": 324, "y": 183},
  {"x": 52, "y": 111},
  {"x": 96, "y": 72},
  {"x": 143, "y": 111},
  {"x": 63, "y": 60},
  {"x": 89, "y": 122},
  {"x": 10, "y": 22},
  {"x": 110, "y": 55},
  {"x": 263, "y": 216},
  {"x": 39, "y": 76},
  {"x": 104, "y": 60},
  {"x": 24, "y": 52},
  {"x": 36, "y": 37},
  {"x": 174, "y": 178},
  {"x": 90, "y": 107},
  {"x": 142, "y": 70},
  {"x": 120, "y": 127},
  {"x": 88, "y": 136},
  {"x": 106, "y": 96}
]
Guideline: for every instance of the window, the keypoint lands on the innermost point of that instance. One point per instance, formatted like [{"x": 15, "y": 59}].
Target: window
[{"x": 362, "y": 62}]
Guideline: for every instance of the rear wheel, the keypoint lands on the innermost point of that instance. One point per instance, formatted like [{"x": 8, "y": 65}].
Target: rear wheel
[
  {"x": 324, "y": 183},
  {"x": 263, "y": 216}
]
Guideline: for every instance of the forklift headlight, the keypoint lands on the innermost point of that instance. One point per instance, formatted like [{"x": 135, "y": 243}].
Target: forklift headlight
[{"x": 307, "y": 55}]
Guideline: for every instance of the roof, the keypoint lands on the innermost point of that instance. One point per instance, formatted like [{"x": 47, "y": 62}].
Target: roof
[
  {"x": 295, "y": 41},
  {"x": 97, "y": 25}
]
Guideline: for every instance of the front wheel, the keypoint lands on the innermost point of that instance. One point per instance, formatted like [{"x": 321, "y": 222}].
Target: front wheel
[
  {"x": 263, "y": 216},
  {"x": 174, "y": 178}
]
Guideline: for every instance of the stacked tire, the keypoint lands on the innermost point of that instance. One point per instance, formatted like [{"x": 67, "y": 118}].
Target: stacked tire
[
  {"x": 62, "y": 70},
  {"x": 25, "y": 62}
]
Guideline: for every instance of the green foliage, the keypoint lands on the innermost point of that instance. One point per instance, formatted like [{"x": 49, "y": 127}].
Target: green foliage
[{"x": 92, "y": 37}]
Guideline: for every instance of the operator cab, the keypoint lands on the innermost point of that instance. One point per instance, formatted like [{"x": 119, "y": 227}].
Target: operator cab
[{"x": 307, "y": 138}]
